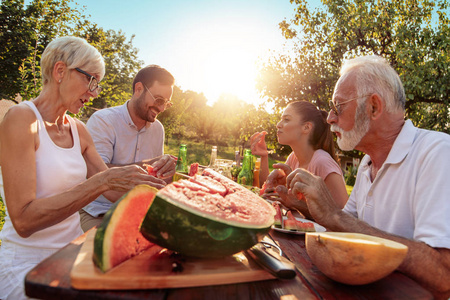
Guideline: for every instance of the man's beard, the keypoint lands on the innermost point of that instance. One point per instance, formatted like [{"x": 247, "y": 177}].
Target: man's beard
[
  {"x": 143, "y": 112},
  {"x": 350, "y": 139}
]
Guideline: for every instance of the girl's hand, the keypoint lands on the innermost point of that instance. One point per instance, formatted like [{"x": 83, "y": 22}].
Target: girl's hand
[{"x": 258, "y": 144}]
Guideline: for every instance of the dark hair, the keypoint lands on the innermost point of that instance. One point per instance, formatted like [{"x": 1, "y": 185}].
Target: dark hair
[
  {"x": 149, "y": 74},
  {"x": 321, "y": 137}
]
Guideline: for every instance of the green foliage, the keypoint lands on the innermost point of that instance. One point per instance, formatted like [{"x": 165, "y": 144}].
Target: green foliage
[
  {"x": 350, "y": 175},
  {"x": 414, "y": 36},
  {"x": 2, "y": 215},
  {"x": 121, "y": 63},
  {"x": 349, "y": 189},
  {"x": 26, "y": 31}
]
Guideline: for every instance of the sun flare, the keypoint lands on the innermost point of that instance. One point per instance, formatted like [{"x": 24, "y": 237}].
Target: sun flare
[{"x": 220, "y": 60}]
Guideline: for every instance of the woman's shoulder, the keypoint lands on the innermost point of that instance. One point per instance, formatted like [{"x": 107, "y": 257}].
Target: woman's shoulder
[
  {"x": 18, "y": 115},
  {"x": 321, "y": 155},
  {"x": 81, "y": 127},
  {"x": 323, "y": 164}
]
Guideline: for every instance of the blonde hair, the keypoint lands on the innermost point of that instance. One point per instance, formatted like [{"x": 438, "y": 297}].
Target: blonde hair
[{"x": 75, "y": 52}]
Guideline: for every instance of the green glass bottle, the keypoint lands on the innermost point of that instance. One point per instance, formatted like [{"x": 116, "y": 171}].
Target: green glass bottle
[
  {"x": 245, "y": 177},
  {"x": 182, "y": 165}
]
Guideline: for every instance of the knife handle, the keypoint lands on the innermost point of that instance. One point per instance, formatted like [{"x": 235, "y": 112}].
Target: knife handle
[{"x": 279, "y": 267}]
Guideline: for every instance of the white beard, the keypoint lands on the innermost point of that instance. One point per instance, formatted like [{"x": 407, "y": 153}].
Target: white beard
[{"x": 350, "y": 139}]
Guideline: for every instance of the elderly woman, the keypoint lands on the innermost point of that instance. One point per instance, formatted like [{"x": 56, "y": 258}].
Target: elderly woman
[{"x": 50, "y": 168}]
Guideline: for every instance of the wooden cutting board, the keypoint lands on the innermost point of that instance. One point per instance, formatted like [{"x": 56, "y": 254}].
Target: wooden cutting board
[{"x": 149, "y": 270}]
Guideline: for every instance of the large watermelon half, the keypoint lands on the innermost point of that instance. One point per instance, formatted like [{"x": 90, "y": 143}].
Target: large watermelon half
[
  {"x": 118, "y": 238},
  {"x": 218, "y": 221}
]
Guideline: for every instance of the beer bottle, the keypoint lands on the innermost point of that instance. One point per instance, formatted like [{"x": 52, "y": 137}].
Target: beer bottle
[
  {"x": 182, "y": 166},
  {"x": 256, "y": 172},
  {"x": 245, "y": 177}
]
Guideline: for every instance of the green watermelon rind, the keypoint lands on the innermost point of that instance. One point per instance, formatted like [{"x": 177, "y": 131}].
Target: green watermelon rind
[
  {"x": 104, "y": 235},
  {"x": 187, "y": 231}
]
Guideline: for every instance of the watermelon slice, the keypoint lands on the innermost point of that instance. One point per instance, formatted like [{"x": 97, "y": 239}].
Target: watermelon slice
[
  {"x": 263, "y": 188},
  {"x": 291, "y": 223},
  {"x": 305, "y": 226},
  {"x": 278, "y": 215},
  {"x": 207, "y": 224},
  {"x": 290, "y": 216},
  {"x": 193, "y": 169},
  {"x": 118, "y": 238},
  {"x": 150, "y": 170}
]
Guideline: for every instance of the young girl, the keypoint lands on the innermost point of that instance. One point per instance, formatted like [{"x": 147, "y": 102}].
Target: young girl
[{"x": 303, "y": 127}]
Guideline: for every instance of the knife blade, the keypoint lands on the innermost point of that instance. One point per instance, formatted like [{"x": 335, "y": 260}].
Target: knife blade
[{"x": 277, "y": 265}]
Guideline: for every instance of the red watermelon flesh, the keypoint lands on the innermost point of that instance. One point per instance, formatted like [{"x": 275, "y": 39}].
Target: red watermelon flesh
[
  {"x": 150, "y": 170},
  {"x": 278, "y": 215},
  {"x": 229, "y": 184},
  {"x": 234, "y": 203},
  {"x": 183, "y": 183},
  {"x": 290, "y": 216},
  {"x": 305, "y": 226},
  {"x": 291, "y": 223},
  {"x": 213, "y": 185},
  {"x": 193, "y": 169},
  {"x": 118, "y": 237}
]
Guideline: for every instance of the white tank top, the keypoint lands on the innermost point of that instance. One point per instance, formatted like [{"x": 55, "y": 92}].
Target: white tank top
[{"x": 57, "y": 170}]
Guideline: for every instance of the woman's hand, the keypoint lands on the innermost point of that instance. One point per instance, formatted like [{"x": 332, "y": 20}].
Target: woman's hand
[
  {"x": 278, "y": 175},
  {"x": 258, "y": 144},
  {"x": 122, "y": 179}
]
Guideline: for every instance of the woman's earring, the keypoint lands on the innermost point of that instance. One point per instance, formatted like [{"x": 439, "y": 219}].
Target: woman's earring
[{"x": 59, "y": 81}]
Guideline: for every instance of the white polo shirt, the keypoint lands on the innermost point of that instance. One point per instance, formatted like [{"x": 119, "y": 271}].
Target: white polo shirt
[
  {"x": 118, "y": 141},
  {"x": 410, "y": 195}
]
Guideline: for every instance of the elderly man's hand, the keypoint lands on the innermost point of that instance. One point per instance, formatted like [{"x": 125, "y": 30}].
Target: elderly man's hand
[{"x": 311, "y": 188}]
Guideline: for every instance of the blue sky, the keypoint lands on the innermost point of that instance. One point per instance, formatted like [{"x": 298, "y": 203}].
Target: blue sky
[{"x": 209, "y": 46}]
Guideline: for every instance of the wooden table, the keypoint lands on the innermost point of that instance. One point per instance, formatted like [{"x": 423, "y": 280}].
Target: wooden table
[{"x": 51, "y": 280}]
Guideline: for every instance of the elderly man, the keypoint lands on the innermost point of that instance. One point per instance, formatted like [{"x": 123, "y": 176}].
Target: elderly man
[
  {"x": 131, "y": 134},
  {"x": 402, "y": 189}
]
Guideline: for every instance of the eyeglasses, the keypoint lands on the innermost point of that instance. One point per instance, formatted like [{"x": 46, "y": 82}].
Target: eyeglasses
[
  {"x": 336, "y": 108},
  {"x": 93, "y": 83},
  {"x": 159, "y": 101}
]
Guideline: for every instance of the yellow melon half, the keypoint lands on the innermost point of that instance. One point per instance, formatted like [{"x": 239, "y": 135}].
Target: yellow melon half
[{"x": 354, "y": 258}]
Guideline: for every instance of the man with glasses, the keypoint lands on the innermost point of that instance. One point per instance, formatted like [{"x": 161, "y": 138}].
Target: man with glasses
[
  {"x": 402, "y": 188},
  {"x": 131, "y": 134}
]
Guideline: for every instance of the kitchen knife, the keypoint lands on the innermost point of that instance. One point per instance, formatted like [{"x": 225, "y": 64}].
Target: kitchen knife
[{"x": 277, "y": 265}]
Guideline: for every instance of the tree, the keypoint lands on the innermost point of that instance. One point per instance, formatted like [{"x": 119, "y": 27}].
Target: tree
[
  {"x": 414, "y": 36},
  {"x": 173, "y": 118},
  {"x": 205, "y": 124},
  {"x": 121, "y": 64},
  {"x": 25, "y": 32}
]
